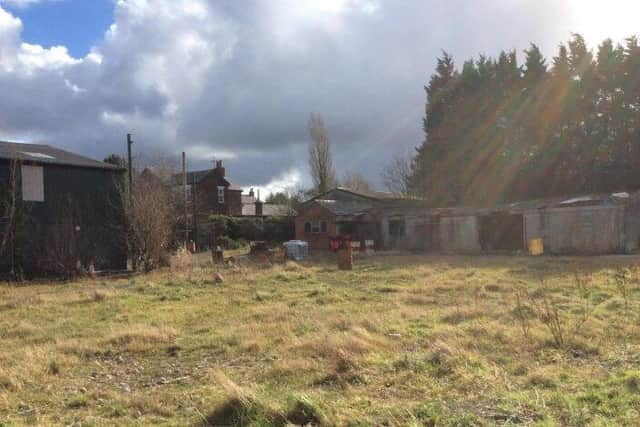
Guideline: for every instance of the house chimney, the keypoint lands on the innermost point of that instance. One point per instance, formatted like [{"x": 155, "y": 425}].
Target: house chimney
[
  {"x": 251, "y": 193},
  {"x": 220, "y": 168}
]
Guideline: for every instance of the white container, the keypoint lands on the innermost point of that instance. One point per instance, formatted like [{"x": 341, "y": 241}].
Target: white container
[{"x": 296, "y": 249}]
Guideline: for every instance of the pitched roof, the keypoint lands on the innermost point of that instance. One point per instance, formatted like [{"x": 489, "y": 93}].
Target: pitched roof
[
  {"x": 194, "y": 176},
  {"x": 197, "y": 177},
  {"x": 586, "y": 200},
  {"x": 371, "y": 195},
  {"x": 45, "y": 154},
  {"x": 343, "y": 207}
]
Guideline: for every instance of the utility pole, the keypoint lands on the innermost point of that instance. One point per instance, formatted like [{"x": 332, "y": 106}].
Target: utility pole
[
  {"x": 130, "y": 213},
  {"x": 194, "y": 193},
  {"x": 184, "y": 189},
  {"x": 130, "y": 166}
]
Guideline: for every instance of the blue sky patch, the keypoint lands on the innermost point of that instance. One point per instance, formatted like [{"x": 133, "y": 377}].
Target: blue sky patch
[{"x": 76, "y": 24}]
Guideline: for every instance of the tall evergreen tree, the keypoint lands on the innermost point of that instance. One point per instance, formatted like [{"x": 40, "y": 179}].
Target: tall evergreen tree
[
  {"x": 535, "y": 66},
  {"x": 561, "y": 66},
  {"x": 496, "y": 132},
  {"x": 440, "y": 97}
]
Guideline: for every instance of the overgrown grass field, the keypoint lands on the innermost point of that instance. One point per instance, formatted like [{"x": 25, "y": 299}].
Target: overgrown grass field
[{"x": 400, "y": 340}]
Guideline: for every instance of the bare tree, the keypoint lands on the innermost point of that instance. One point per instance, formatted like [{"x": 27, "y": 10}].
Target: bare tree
[
  {"x": 355, "y": 181},
  {"x": 320, "y": 160},
  {"x": 9, "y": 201},
  {"x": 397, "y": 173},
  {"x": 150, "y": 221}
]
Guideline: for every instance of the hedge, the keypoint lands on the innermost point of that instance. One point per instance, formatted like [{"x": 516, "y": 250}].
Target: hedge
[{"x": 272, "y": 229}]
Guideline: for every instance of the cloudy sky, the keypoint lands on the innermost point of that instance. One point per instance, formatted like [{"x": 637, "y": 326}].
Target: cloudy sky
[{"x": 237, "y": 79}]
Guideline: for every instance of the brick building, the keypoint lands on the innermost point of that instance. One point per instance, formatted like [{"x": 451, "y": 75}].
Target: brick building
[
  {"x": 214, "y": 194},
  {"x": 378, "y": 217}
]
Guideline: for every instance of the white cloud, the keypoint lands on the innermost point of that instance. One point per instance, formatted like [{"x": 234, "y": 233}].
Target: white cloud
[
  {"x": 19, "y": 3},
  {"x": 205, "y": 154},
  {"x": 237, "y": 79},
  {"x": 33, "y": 57},
  {"x": 288, "y": 182},
  {"x": 10, "y": 28},
  {"x": 24, "y": 58}
]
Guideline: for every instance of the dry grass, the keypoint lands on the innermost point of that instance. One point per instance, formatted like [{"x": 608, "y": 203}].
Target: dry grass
[{"x": 402, "y": 340}]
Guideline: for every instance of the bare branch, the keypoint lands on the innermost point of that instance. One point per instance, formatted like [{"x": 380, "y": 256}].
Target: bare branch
[
  {"x": 320, "y": 160},
  {"x": 9, "y": 200},
  {"x": 397, "y": 173},
  {"x": 355, "y": 181}
]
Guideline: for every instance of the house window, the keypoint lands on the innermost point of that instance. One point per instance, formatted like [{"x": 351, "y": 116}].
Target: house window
[
  {"x": 32, "y": 183},
  {"x": 316, "y": 227},
  {"x": 221, "y": 195},
  {"x": 397, "y": 228}
]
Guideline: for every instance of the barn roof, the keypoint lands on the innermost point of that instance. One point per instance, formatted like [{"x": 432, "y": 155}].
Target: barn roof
[
  {"x": 371, "y": 195},
  {"x": 343, "y": 207},
  {"x": 558, "y": 202},
  {"x": 45, "y": 154}
]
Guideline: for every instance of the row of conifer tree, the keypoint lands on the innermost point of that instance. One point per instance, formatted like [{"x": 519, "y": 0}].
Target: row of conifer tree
[{"x": 497, "y": 131}]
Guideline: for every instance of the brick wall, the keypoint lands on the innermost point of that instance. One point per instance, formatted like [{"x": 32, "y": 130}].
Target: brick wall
[
  {"x": 314, "y": 214},
  {"x": 207, "y": 196}
]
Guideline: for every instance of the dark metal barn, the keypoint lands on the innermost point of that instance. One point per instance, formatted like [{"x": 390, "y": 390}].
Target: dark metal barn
[{"x": 66, "y": 204}]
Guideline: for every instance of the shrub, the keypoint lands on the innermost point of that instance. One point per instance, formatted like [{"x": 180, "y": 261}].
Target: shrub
[
  {"x": 273, "y": 229},
  {"x": 229, "y": 243}
]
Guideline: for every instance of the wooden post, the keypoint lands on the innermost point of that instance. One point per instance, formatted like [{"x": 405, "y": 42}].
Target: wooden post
[
  {"x": 134, "y": 264},
  {"x": 130, "y": 166},
  {"x": 194, "y": 209},
  {"x": 184, "y": 194}
]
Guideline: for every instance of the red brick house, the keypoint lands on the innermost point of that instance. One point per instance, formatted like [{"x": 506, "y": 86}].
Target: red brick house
[{"x": 214, "y": 194}]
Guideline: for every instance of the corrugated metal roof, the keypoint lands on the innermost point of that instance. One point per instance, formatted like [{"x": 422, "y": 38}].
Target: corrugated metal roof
[
  {"x": 600, "y": 199},
  {"x": 341, "y": 207},
  {"x": 374, "y": 195},
  {"x": 45, "y": 154}
]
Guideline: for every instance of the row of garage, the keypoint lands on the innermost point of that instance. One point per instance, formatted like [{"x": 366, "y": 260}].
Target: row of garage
[
  {"x": 589, "y": 224},
  {"x": 594, "y": 224}
]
